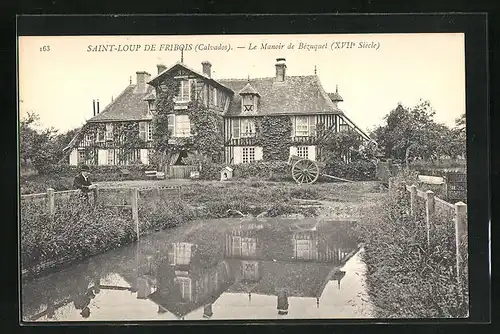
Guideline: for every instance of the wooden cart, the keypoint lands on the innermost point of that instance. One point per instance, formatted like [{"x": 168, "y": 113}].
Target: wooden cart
[{"x": 307, "y": 171}]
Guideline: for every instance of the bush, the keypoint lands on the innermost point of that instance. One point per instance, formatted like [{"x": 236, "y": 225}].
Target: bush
[
  {"x": 76, "y": 231},
  {"x": 359, "y": 170},
  {"x": 405, "y": 277},
  {"x": 264, "y": 170}
]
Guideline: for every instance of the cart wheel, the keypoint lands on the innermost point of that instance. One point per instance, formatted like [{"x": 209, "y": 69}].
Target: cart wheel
[{"x": 305, "y": 171}]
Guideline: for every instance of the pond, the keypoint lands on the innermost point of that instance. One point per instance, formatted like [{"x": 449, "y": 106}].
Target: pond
[{"x": 212, "y": 270}]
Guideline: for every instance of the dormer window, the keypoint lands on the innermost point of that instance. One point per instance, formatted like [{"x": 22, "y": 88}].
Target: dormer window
[
  {"x": 151, "y": 105},
  {"x": 249, "y": 99},
  {"x": 248, "y": 103}
]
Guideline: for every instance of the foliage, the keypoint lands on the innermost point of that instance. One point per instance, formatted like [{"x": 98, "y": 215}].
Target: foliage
[
  {"x": 77, "y": 231},
  {"x": 206, "y": 130},
  {"x": 164, "y": 105},
  {"x": 127, "y": 134},
  {"x": 264, "y": 170},
  {"x": 273, "y": 133},
  {"x": 40, "y": 147},
  {"x": 411, "y": 132},
  {"x": 405, "y": 277},
  {"x": 358, "y": 170},
  {"x": 339, "y": 144}
]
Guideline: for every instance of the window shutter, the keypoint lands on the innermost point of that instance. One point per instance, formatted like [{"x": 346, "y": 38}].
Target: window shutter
[
  {"x": 144, "y": 156},
  {"x": 102, "y": 158},
  {"x": 258, "y": 153},
  {"x": 311, "y": 153},
  {"x": 293, "y": 150},
  {"x": 171, "y": 124},
  {"x": 293, "y": 126},
  {"x": 142, "y": 130},
  {"x": 312, "y": 126},
  {"x": 236, "y": 128},
  {"x": 237, "y": 155}
]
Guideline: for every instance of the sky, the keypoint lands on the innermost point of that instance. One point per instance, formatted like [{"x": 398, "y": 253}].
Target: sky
[{"x": 59, "y": 77}]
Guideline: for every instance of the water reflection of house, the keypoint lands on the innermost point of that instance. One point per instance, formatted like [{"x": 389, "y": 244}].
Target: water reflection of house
[
  {"x": 291, "y": 260},
  {"x": 188, "y": 281}
]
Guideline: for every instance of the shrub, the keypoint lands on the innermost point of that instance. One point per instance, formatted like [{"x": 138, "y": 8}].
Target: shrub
[
  {"x": 405, "y": 277},
  {"x": 264, "y": 170},
  {"x": 76, "y": 231},
  {"x": 359, "y": 170}
]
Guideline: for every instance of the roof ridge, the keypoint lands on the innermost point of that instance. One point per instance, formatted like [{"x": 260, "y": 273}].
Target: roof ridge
[{"x": 260, "y": 78}]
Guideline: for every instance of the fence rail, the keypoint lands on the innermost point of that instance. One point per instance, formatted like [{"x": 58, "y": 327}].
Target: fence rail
[
  {"x": 460, "y": 220},
  {"x": 120, "y": 197}
]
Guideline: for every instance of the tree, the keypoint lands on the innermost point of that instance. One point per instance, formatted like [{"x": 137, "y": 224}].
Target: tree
[
  {"x": 411, "y": 132},
  {"x": 37, "y": 147},
  {"x": 339, "y": 144}
]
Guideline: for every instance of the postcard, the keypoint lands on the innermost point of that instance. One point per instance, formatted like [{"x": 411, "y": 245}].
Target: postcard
[{"x": 243, "y": 177}]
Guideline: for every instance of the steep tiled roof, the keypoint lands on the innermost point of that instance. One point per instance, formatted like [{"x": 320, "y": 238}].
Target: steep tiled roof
[
  {"x": 295, "y": 95},
  {"x": 335, "y": 96},
  {"x": 248, "y": 89},
  {"x": 156, "y": 79},
  {"x": 128, "y": 106}
]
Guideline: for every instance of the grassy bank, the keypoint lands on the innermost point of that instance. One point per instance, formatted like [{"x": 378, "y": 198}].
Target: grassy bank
[
  {"x": 405, "y": 277},
  {"x": 78, "y": 230}
]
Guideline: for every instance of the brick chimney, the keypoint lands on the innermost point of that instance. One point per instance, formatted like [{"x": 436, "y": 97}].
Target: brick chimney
[
  {"x": 142, "y": 79},
  {"x": 280, "y": 69},
  {"x": 207, "y": 68},
  {"x": 161, "y": 68}
]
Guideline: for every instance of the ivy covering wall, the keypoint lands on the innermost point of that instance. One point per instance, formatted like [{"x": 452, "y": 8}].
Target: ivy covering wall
[{"x": 273, "y": 133}]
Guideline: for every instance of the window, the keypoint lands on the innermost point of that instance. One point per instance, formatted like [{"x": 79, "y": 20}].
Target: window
[
  {"x": 182, "y": 253},
  {"x": 100, "y": 135},
  {"x": 142, "y": 130},
  {"x": 303, "y": 152},
  {"x": 247, "y": 128},
  {"x": 109, "y": 131},
  {"x": 184, "y": 287},
  {"x": 81, "y": 156},
  {"x": 303, "y": 249},
  {"x": 248, "y": 246},
  {"x": 302, "y": 126},
  {"x": 171, "y": 124},
  {"x": 89, "y": 137},
  {"x": 249, "y": 270},
  {"x": 151, "y": 105},
  {"x": 184, "y": 91},
  {"x": 236, "y": 128},
  {"x": 236, "y": 246},
  {"x": 248, "y": 154},
  {"x": 111, "y": 157},
  {"x": 248, "y": 104},
  {"x": 182, "y": 126}
]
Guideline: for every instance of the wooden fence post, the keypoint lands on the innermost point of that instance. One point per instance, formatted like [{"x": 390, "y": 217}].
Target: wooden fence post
[
  {"x": 413, "y": 199},
  {"x": 429, "y": 213},
  {"x": 460, "y": 237},
  {"x": 96, "y": 195},
  {"x": 134, "y": 203},
  {"x": 51, "y": 203}
]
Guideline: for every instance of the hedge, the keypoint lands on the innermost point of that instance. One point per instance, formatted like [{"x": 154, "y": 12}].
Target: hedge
[{"x": 359, "y": 170}]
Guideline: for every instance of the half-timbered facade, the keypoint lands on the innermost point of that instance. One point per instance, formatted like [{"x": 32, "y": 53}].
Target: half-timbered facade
[{"x": 239, "y": 103}]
